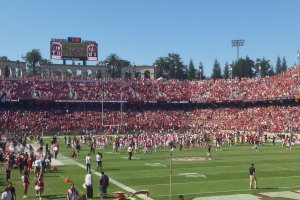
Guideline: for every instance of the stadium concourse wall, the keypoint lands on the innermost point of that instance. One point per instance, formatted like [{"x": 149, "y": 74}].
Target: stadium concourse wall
[
  {"x": 164, "y": 105},
  {"x": 61, "y": 70}
]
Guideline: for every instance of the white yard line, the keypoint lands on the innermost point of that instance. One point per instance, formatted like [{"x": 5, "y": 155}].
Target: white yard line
[
  {"x": 280, "y": 168},
  {"x": 207, "y": 181},
  {"x": 124, "y": 177},
  {"x": 65, "y": 160},
  {"x": 121, "y": 185},
  {"x": 225, "y": 191}
]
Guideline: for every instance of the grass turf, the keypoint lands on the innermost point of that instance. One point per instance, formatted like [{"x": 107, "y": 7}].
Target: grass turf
[{"x": 277, "y": 170}]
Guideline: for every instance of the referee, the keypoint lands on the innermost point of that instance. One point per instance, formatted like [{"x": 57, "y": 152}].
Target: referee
[{"x": 253, "y": 180}]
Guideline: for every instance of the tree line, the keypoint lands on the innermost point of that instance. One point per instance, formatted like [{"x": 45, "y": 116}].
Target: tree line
[{"x": 172, "y": 67}]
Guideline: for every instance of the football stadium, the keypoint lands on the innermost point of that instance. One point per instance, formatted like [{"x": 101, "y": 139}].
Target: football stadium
[{"x": 76, "y": 124}]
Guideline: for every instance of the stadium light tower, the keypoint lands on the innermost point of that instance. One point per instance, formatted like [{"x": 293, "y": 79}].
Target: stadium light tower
[{"x": 237, "y": 44}]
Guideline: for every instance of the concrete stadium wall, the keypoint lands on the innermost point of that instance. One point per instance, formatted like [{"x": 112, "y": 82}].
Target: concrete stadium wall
[{"x": 71, "y": 70}]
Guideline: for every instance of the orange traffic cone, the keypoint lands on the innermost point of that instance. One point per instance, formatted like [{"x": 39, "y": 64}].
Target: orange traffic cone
[{"x": 67, "y": 180}]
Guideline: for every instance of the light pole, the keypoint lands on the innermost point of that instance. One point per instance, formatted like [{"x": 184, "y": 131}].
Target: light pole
[
  {"x": 134, "y": 70},
  {"x": 171, "y": 152},
  {"x": 298, "y": 56},
  {"x": 17, "y": 67},
  {"x": 48, "y": 68},
  {"x": 102, "y": 94},
  {"x": 155, "y": 67},
  {"x": 230, "y": 71},
  {"x": 106, "y": 68},
  {"x": 237, "y": 44},
  {"x": 258, "y": 62},
  {"x": 113, "y": 72},
  {"x": 200, "y": 71}
]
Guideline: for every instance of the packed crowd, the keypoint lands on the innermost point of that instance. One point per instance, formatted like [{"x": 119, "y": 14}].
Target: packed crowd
[
  {"x": 283, "y": 86},
  {"x": 278, "y": 118},
  {"x": 31, "y": 162}
]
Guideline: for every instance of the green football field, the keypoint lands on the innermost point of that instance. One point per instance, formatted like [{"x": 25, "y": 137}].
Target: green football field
[{"x": 277, "y": 168}]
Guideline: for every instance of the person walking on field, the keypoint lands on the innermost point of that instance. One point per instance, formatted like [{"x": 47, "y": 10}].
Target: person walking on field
[
  {"x": 89, "y": 185},
  {"x": 88, "y": 161},
  {"x": 253, "y": 180},
  {"x": 103, "y": 184},
  {"x": 72, "y": 193},
  {"x": 6, "y": 195},
  {"x": 99, "y": 158},
  {"x": 12, "y": 190},
  {"x": 25, "y": 181},
  {"x": 129, "y": 150},
  {"x": 208, "y": 153}
]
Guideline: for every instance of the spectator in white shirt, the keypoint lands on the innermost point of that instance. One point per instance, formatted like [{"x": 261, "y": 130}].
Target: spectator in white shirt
[
  {"x": 6, "y": 195},
  {"x": 89, "y": 184},
  {"x": 99, "y": 160},
  {"x": 88, "y": 161}
]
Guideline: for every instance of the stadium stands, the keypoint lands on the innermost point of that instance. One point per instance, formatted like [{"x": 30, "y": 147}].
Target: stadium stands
[
  {"x": 284, "y": 86},
  {"x": 53, "y": 117}
]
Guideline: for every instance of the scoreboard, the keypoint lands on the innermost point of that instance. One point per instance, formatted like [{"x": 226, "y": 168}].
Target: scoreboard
[{"x": 73, "y": 49}]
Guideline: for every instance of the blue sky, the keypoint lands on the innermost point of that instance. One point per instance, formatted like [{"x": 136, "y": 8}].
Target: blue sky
[{"x": 143, "y": 30}]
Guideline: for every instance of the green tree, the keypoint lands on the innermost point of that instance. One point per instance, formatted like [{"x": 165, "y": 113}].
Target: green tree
[
  {"x": 278, "y": 65},
  {"x": 33, "y": 57},
  {"x": 176, "y": 69},
  {"x": 4, "y": 58},
  {"x": 6, "y": 71},
  {"x": 113, "y": 61},
  {"x": 127, "y": 74},
  {"x": 161, "y": 67},
  {"x": 263, "y": 68},
  {"x": 122, "y": 63},
  {"x": 216, "y": 71},
  {"x": 201, "y": 71},
  {"x": 226, "y": 73},
  {"x": 272, "y": 71},
  {"x": 170, "y": 67},
  {"x": 191, "y": 70},
  {"x": 98, "y": 74},
  {"x": 283, "y": 65},
  {"x": 243, "y": 68}
]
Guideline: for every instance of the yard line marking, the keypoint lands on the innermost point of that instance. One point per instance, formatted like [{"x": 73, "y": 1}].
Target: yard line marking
[
  {"x": 155, "y": 165},
  {"x": 280, "y": 168},
  {"x": 216, "y": 192},
  {"x": 130, "y": 177},
  {"x": 193, "y": 175},
  {"x": 230, "y": 197},
  {"x": 229, "y": 172},
  {"x": 110, "y": 152},
  {"x": 229, "y": 180},
  {"x": 133, "y": 158},
  {"x": 282, "y": 194},
  {"x": 121, "y": 185}
]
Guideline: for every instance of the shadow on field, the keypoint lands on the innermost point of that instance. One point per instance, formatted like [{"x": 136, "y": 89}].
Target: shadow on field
[
  {"x": 112, "y": 169},
  {"x": 53, "y": 196},
  {"x": 57, "y": 172},
  {"x": 267, "y": 188}
]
